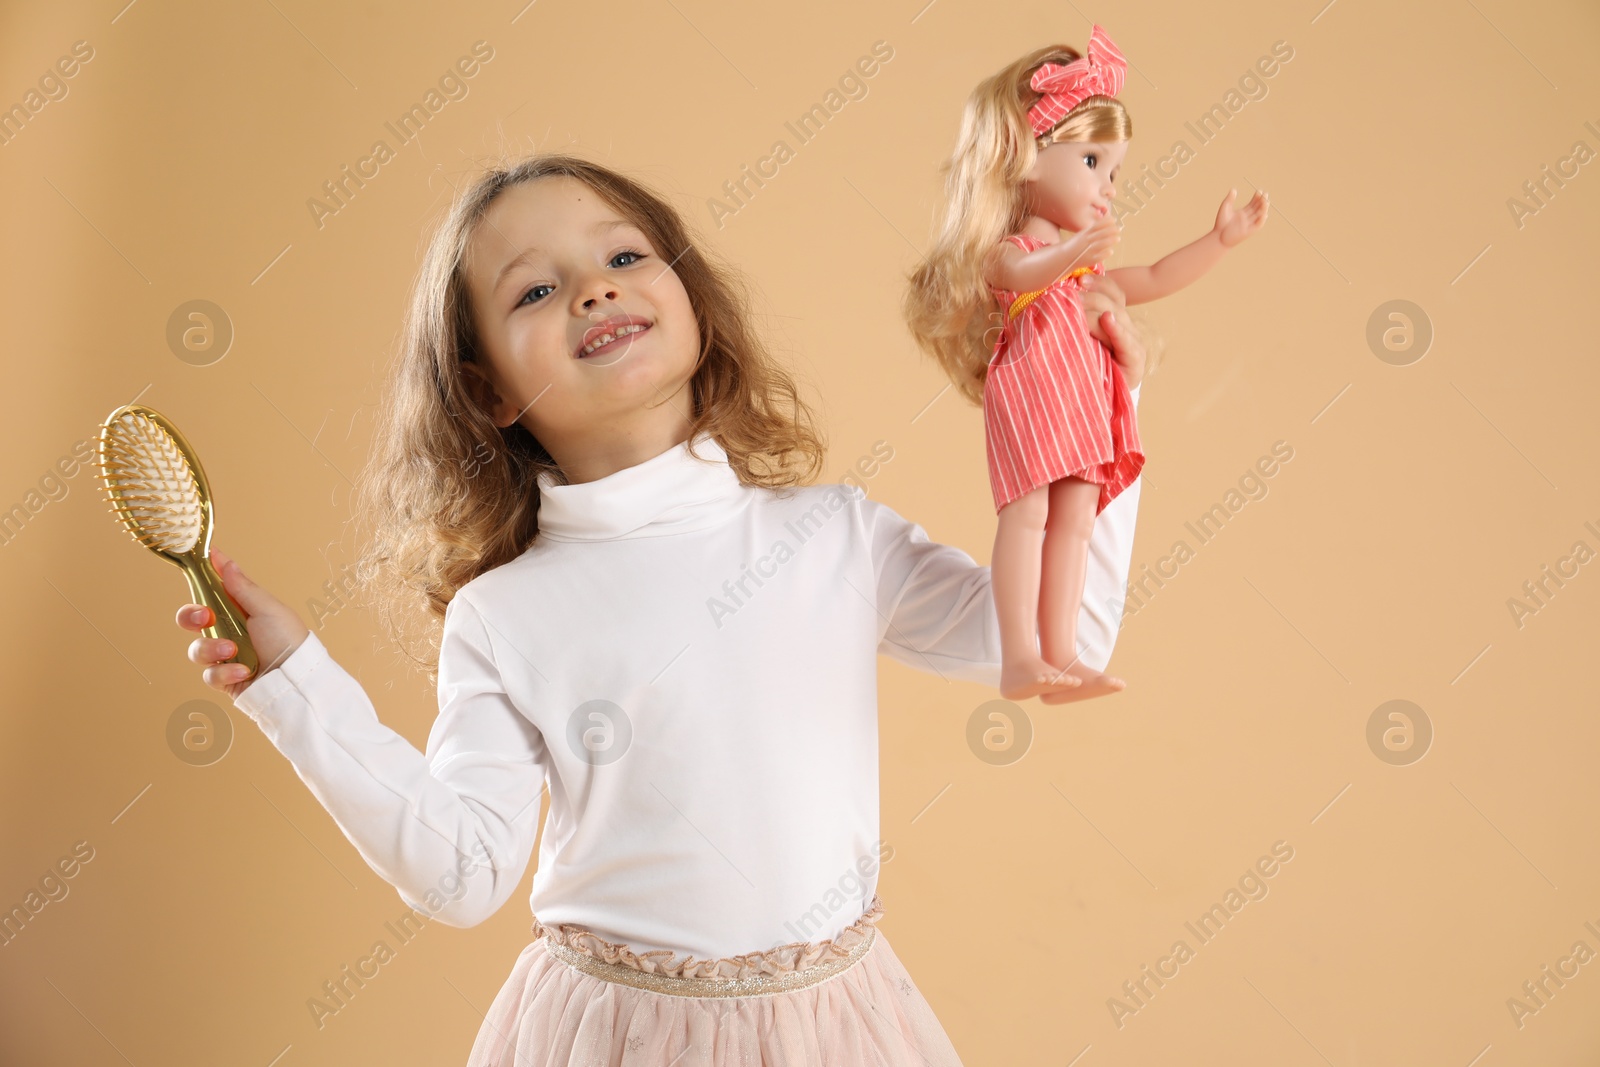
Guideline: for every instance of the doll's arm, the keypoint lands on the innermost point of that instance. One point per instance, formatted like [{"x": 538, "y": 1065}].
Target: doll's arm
[
  {"x": 1172, "y": 272},
  {"x": 1010, "y": 267}
]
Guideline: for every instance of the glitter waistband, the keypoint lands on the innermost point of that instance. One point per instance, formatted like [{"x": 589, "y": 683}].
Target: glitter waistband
[
  {"x": 687, "y": 986},
  {"x": 795, "y": 965}
]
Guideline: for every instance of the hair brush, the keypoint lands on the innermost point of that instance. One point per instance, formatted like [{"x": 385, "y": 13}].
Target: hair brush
[{"x": 156, "y": 486}]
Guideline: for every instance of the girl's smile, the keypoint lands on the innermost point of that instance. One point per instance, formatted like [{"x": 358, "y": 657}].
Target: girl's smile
[{"x": 604, "y": 337}]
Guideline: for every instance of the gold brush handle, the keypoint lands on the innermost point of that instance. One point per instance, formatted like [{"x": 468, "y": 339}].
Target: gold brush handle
[{"x": 205, "y": 584}]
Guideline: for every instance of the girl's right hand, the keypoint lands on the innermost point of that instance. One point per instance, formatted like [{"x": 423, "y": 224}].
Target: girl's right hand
[
  {"x": 1093, "y": 244},
  {"x": 275, "y": 630}
]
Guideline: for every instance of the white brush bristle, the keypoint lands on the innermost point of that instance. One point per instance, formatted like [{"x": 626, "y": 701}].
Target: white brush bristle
[{"x": 145, "y": 472}]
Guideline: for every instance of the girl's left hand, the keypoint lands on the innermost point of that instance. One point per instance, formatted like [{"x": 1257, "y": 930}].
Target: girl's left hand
[
  {"x": 1235, "y": 224},
  {"x": 1105, "y": 309}
]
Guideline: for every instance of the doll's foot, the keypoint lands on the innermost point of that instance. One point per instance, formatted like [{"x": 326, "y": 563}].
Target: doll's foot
[
  {"x": 1093, "y": 683},
  {"x": 1031, "y": 676}
]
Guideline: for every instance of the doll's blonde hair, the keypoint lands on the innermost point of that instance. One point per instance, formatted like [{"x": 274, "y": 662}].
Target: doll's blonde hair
[
  {"x": 950, "y": 311},
  {"x": 448, "y": 495}
]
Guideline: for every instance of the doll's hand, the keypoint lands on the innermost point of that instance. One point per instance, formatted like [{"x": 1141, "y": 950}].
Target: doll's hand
[
  {"x": 1235, "y": 224},
  {"x": 275, "y": 631},
  {"x": 1108, "y": 321},
  {"x": 1093, "y": 243}
]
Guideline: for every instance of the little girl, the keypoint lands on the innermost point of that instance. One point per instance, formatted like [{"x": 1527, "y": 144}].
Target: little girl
[
  {"x": 1038, "y": 153},
  {"x": 590, "y": 468}
]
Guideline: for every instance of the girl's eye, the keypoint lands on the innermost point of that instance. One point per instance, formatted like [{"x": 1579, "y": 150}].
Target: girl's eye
[
  {"x": 1090, "y": 158},
  {"x": 625, "y": 252}
]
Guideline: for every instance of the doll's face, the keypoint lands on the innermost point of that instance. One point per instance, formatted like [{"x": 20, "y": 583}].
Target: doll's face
[
  {"x": 549, "y": 268},
  {"x": 1070, "y": 182}
]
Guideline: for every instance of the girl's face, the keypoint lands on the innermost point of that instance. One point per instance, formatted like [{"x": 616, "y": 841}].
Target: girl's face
[
  {"x": 1070, "y": 182},
  {"x": 552, "y": 269}
]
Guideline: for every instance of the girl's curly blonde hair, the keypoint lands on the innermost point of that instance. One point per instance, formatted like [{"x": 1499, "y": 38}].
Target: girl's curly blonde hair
[
  {"x": 947, "y": 306},
  {"x": 442, "y": 507}
]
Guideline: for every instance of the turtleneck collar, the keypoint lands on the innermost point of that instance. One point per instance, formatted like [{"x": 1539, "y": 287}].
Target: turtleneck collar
[{"x": 666, "y": 494}]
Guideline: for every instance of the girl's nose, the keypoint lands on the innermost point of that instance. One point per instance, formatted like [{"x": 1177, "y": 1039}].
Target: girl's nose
[{"x": 607, "y": 293}]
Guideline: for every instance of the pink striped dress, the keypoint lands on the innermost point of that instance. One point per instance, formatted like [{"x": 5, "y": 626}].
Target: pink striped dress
[{"x": 1054, "y": 401}]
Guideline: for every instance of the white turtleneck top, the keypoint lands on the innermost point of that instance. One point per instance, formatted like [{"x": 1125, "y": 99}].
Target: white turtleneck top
[{"x": 690, "y": 666}]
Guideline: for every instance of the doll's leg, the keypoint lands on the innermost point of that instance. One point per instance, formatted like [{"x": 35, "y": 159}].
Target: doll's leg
[
  {"x": 1014, "y": 571},
  {"x": 1064, "y": 569}
]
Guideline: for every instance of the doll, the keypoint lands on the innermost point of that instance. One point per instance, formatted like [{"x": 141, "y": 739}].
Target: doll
[{"x": 1040, "y": 145}]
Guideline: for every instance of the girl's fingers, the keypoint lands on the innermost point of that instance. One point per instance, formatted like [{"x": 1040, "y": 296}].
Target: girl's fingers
[
  {"x": 194, "y": 617},
  {"x": 207, "y": 651},
  {"x": 224, "y": 675}
]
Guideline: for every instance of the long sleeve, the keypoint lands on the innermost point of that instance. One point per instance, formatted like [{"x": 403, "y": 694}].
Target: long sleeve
[
  {"x": 938, "y": 604},
  {"x": 452, "y": 829},
  {"x": 1105, "y": 586},
  {"x": 935, "y": 602}
]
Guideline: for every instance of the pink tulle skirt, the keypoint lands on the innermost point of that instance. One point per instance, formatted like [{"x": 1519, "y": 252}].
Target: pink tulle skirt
[{"x": 575, "y": 1000}]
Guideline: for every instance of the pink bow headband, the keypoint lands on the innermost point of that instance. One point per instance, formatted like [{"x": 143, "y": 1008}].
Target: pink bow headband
[{"x": 1064, "y": 87}]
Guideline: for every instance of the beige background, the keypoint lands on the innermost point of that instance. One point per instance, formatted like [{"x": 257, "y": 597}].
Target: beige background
[{"x": 1378, "y": 566}]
